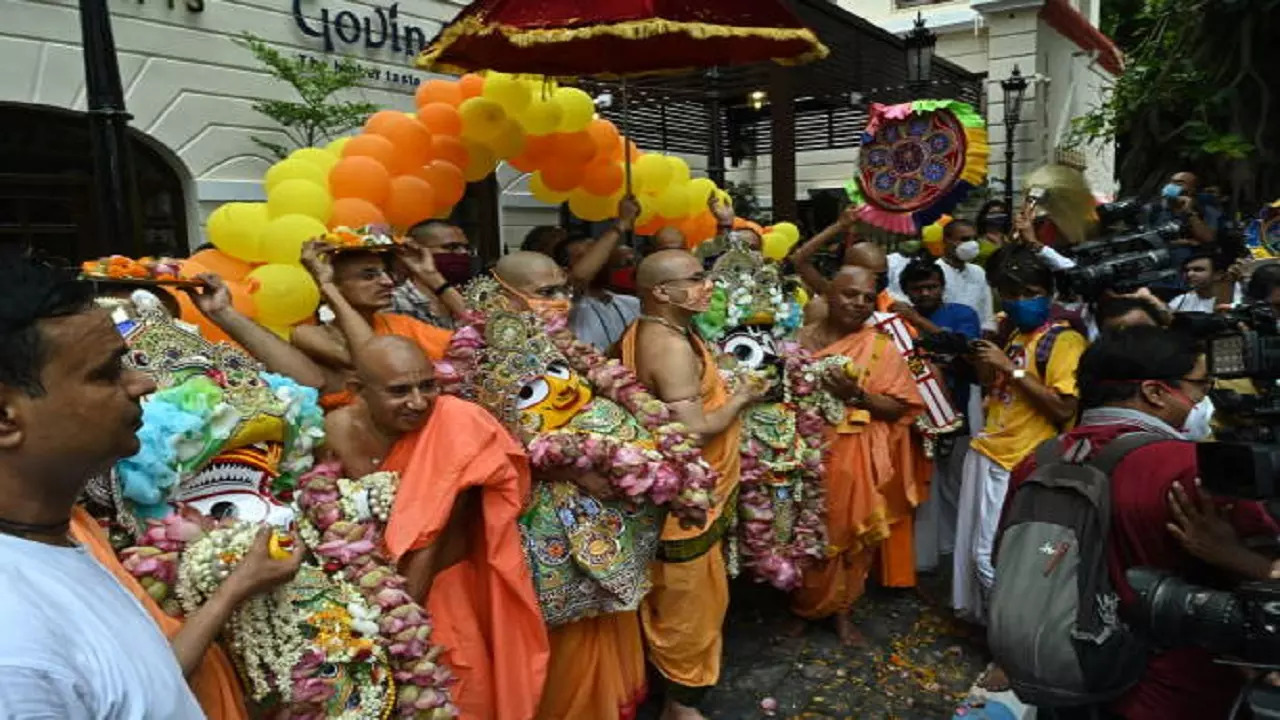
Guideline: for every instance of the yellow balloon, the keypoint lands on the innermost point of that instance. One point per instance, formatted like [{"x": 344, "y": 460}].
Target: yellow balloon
[
  {"x": 775, "y": 245},
  {"x": 510, "y": 141},
  {"x": 647, "y": 210},
  {"x": 673, "y": 202},
  {"x": 300, "y": 197},
  {"x": 335, "y": 148},
  {"x": 699, "y": 190},
  {"x": 316, "y": 156},
  {"x": 508, "y": 91},
  {"x": 679, "y": 170},
  {"x": 787, "y": 230},
  {"x": 725, "y": 199},
  {"x": 651, "y": 173},
  {"x": 295, "y": 169},
  {"x": 284, "y": 295},
  {"x": 593, "y": 208},
  {"x": 234, "y": 227},
  {"x": 480, "y": 161},
  {"x": 577, "y": 109},
  {"x": 802, "y": 296},
  {"x": 541, "y": 117},
  {"x": 544, "y": 193},
  {"x": 482, "y": 118},
  {"x": 281, "y": 239}
]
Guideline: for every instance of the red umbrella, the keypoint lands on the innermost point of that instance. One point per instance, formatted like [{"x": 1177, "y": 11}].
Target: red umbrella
[{"x": 619, "y": 38}]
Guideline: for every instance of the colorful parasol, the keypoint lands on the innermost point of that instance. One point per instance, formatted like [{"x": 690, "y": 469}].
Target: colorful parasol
[
  {"x": 917, "y": 162},
  {"x": 619, "y": 38}
]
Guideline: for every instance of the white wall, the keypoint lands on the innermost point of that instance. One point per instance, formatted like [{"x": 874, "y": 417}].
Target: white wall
[
  {"x": 190, "y": 87},
  {"x": 1078, "y": 85}
]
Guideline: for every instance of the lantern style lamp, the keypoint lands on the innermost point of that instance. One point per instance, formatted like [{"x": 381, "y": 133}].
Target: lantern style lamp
[
  {"x": 920, "y": 43},
  {"x": 1015, "y": 87}
]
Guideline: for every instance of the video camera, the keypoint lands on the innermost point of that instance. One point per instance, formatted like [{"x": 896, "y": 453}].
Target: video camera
[
  {"x": 946, "y": 344},
  {"x": 1129, "y": 257}
]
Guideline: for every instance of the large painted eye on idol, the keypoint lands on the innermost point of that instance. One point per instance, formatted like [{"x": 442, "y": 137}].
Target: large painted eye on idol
[
  {"x": 327, "y": 670},
  {"x": 749, "y": 348},
  {"x": 559, "y": 369},
  {"x": 532, "y": 393}
]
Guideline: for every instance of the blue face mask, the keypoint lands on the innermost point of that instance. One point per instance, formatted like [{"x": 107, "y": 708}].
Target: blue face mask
[
  {"x": 1028, "y": 314},
  {"x": 1172, "y": 190}
]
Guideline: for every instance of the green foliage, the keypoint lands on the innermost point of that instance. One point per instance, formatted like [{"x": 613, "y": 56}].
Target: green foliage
[
  {"x": 317, "y": 117},
  {"x": 1196, "y": 92}
]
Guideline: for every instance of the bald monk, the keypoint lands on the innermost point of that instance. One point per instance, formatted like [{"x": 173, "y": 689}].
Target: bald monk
[
  {"x": 669, "y": 238},
  {"x": 860, "y": 466},
  {"x": 597, "y": 667},
  {"x": 357, "y": 288},
  {"x": 463, "y": 483},
  {"x": 683, "y": 614}
]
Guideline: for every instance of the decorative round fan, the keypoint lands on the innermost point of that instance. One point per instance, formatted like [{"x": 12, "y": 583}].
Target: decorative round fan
[{"x": 918, "y": 161}]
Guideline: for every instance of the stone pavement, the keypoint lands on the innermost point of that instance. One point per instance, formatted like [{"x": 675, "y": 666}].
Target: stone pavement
[{"x": 917, "y": 663}]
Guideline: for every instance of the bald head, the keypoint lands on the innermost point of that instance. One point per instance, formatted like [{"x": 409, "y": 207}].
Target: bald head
[
  {"x": 674, "y": 281},
  {"x": 665, "y": 266},
  {"x": 851, "y": 298},
  {"x": 669, "y": 238},
  {"x": 397, "y": 383},
  {"x": 529, "y": 273},
  {"x": 867, "y": 255}
]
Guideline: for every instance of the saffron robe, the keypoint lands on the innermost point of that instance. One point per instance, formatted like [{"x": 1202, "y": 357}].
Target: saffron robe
[
  {"x": 434, "y": 342},
  {"x": 864, "y": 478},
  {"x": 683, "y": 616},
  {"x": 483, "y": 608},
  {"x": 597, "y": 670},
  {"x": 214, "y": 683}
]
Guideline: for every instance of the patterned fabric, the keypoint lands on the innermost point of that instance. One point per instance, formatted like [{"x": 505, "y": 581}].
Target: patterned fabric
[{"x": 407, "y": 299}]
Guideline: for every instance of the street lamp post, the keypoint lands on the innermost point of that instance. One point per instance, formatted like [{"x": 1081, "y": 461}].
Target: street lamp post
[
  {"x": 108, "y": 125},
  {"x": 920, "y": 44},
  {"x": 1014, "y": 86}
]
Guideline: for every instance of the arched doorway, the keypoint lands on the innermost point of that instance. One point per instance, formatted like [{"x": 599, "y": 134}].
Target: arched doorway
[{"x": 46, "y": 193}]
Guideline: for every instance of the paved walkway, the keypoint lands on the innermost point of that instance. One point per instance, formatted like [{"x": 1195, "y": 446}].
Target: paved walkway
[{"x": 917, "y": 663}]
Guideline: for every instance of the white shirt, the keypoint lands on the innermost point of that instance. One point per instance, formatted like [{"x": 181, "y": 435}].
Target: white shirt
[
  {"x": 1192, "y": 302},
  {"x": 77, "y": 645},
  {"x": 601, "y": 321},
  {"x": 966, "y": 286}
]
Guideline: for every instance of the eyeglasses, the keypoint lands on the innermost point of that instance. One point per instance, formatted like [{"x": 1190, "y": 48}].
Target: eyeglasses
[
  {"x": 1203, "y": 383},
  {"x": 698, "y": 278},
  {"x": 455, "y": 248},
  {"x": 552, "y": 292}
]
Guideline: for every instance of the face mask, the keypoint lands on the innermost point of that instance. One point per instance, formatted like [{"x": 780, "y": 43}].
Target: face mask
[
  {"x": 1197, "y": 425},
  {"x": 455, "y": 267},
  {"x": 623, "y": 279},
  {"x": 548, "y": 307},
  {"x": 1028, "y": 314},
  {"x": 697, "y": 298},
  {"x": 968, "y": 250},
  {"x": 1171, "y": 191}
]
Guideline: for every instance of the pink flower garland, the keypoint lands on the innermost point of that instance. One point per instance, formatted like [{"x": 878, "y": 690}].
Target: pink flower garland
[
  {"x": 782, "y": 564},
  {"x": 353, "y": 550},
  {"x": 676, "y": 476}
]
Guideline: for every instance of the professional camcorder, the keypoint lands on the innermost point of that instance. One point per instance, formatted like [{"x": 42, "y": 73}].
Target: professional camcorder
[
  {"x": 946, "y": 344},
  {"x": 1127, "y": 257}
]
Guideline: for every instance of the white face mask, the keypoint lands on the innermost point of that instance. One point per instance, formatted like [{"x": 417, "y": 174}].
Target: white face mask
[
  {"x": 968, "y": 250},
  {"x": 1197, "y": 425}
]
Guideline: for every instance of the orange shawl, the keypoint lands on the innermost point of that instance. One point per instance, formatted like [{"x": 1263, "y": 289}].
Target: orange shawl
[
  {"x": 433, "y": 341},
  {"x": 484, "y": 607},
  {"x": 214, "y": 683}
]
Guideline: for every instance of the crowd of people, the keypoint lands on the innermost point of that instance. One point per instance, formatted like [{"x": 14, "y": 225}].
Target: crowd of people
[{"x": 951, "y": 374}]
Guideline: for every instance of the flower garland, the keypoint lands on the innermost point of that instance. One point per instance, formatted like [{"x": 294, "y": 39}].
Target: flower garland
[
  {"x": 772, "y": 560},
  {"x": 342, "y": 522},
  {"x": 687, "y": 485},
  {"x": 119, "y": 267},
  {"x": 673, "y": 474}
]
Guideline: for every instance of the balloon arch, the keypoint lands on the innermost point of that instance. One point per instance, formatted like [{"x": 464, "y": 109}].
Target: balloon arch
[{"x": 406, "y": 167}]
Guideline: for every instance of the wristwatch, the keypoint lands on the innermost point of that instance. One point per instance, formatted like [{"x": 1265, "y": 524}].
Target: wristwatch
[{"x": 1018, "y": 373}]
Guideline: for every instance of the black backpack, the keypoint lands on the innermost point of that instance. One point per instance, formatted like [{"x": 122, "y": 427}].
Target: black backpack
[{"x": 1054, "y": 624}]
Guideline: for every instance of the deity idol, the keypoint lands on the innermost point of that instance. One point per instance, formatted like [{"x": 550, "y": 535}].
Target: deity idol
[
  {"x": 752, "y": 320},
  {"x": 222, "y": 447},
  {"x": 575, "y": 410}
]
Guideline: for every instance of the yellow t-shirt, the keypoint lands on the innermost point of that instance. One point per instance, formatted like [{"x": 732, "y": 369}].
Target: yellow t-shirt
[{"x": 1014, "y": 426}]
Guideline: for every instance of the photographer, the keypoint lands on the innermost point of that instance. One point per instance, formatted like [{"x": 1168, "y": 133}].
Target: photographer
[
  {"x": 1180, "y": 202},
  {"x": 1146, "y": 380},
  {"x": 1210, "y": 284}
]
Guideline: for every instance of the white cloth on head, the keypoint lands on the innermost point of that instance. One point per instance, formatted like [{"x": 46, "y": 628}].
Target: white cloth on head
[
  {"x": 78, "y": 645},
  {"x": 982, "y": 490}
]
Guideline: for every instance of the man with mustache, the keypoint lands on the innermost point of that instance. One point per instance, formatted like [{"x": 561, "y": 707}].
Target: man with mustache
[{"x": 683, "y": 615}]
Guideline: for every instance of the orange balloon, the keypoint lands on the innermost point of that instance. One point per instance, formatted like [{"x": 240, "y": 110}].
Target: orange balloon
[
  {"x": 373, "y": 146},
  {"x": 604, "y": 134},
  {"x": 410, "y": 201},
  {"x": 538, "y": 151},
  {"x": 561, "y": 177},
  {"x": 450, "y": 149},
  {"x": 447, "y": 181},
  {"x": 656, "y": 223},
  {"x": 445, "y": 91},
  {"x": 573, "y": 148},
  {"x": 218, "y": 263},
  {"x": 361, "y": 177},
  {"x": 440, "y": 118},
  {"x": 471, "y": 85},
  {"x": 602, "y": 177},
  {"x": 355, "y": 213},
  {"x": 410, "y": 140}
]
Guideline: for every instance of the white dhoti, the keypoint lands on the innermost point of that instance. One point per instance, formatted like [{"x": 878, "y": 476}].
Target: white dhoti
[{"x": 982, "y": 491}]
